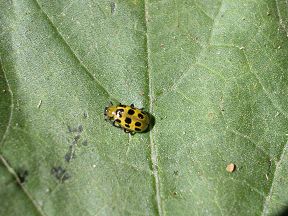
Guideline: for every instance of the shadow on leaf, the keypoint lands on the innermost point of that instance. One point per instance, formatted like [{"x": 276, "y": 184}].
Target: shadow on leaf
[{"x": 283, "y": 212}]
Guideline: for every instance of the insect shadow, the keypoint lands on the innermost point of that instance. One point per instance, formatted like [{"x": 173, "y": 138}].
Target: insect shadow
[
  {"x": 152, "y": 122},
  {"x": 284, "y": 212}
]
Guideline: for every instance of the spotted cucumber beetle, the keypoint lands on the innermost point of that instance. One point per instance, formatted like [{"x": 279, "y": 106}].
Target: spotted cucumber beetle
[{"x": 131, "y": 119}]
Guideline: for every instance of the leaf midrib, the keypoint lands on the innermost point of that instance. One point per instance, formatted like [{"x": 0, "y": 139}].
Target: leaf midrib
[{"x": 153, "y": 146}]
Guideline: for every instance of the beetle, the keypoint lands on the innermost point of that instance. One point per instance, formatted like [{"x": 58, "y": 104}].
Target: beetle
[{"x": 130, "y": 118}]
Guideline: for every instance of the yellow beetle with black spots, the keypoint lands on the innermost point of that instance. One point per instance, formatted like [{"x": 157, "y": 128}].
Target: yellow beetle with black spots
[{"x": 130, "y": 118}]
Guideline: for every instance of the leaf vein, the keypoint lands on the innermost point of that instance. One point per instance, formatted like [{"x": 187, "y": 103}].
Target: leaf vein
[
  {"x": 11, "y": 106},
  {"x": 14, "y": 174},
  {"x": 153, "y": 146},
  {"x": 264, "y": 88},
  {"x": 278, "y": 165},
  {"x": 72, "y": 51},
  {"x": 280, "y": 17}
]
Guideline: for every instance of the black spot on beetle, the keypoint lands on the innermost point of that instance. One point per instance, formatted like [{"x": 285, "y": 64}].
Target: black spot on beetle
[
  {"x": 127, "y": 125},
  {"x": 140, "y": 116},
  {"x": 138, "y": 124},
  {"x": 137, "y": 129},
  {"x": 119, "y": 112},
  {"x": 131, "y": 111},
  {"x": 122, "y": 106},
  {"x": 118, "y": 121},
  {"x": 128, "y": 120}
]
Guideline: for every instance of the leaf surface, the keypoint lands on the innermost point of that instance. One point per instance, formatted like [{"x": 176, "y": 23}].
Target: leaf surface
[{"x": 212, "y": 73}]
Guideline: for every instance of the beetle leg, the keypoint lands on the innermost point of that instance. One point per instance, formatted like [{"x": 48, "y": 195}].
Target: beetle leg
[
  {"x": 115, "y": 125},
  {"x": 132, "y": 105},
  {"x": 126, "y": 131}
]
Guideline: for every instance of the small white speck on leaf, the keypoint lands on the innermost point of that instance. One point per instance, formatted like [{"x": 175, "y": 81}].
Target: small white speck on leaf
[
  {"x": 39, "y": 104},
  {"x": 231, "y": 167}
]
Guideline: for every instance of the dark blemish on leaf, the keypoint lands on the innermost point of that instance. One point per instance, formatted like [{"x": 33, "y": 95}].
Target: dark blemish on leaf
[
  {"x": 71, "y": 130},
  {"x": 113, "y": 7},
  {"x": 80, "y": 128},
  {"x": 176, "y": 172},
  {"x": 158, "y": 93},
  {"x": 22, "y": 175},
  {"x": 60, "y": 173},
  {"x": 70, "y": 154},
  {"x": 85, "y": 143},
  {"x": 76, "y": 138},
  {"x": 85, "y": 115},
  {"x": 175, "y": 194}
]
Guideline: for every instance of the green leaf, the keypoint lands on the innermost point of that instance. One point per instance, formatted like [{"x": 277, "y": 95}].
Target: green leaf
[{"x": 213, "y": 74}]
